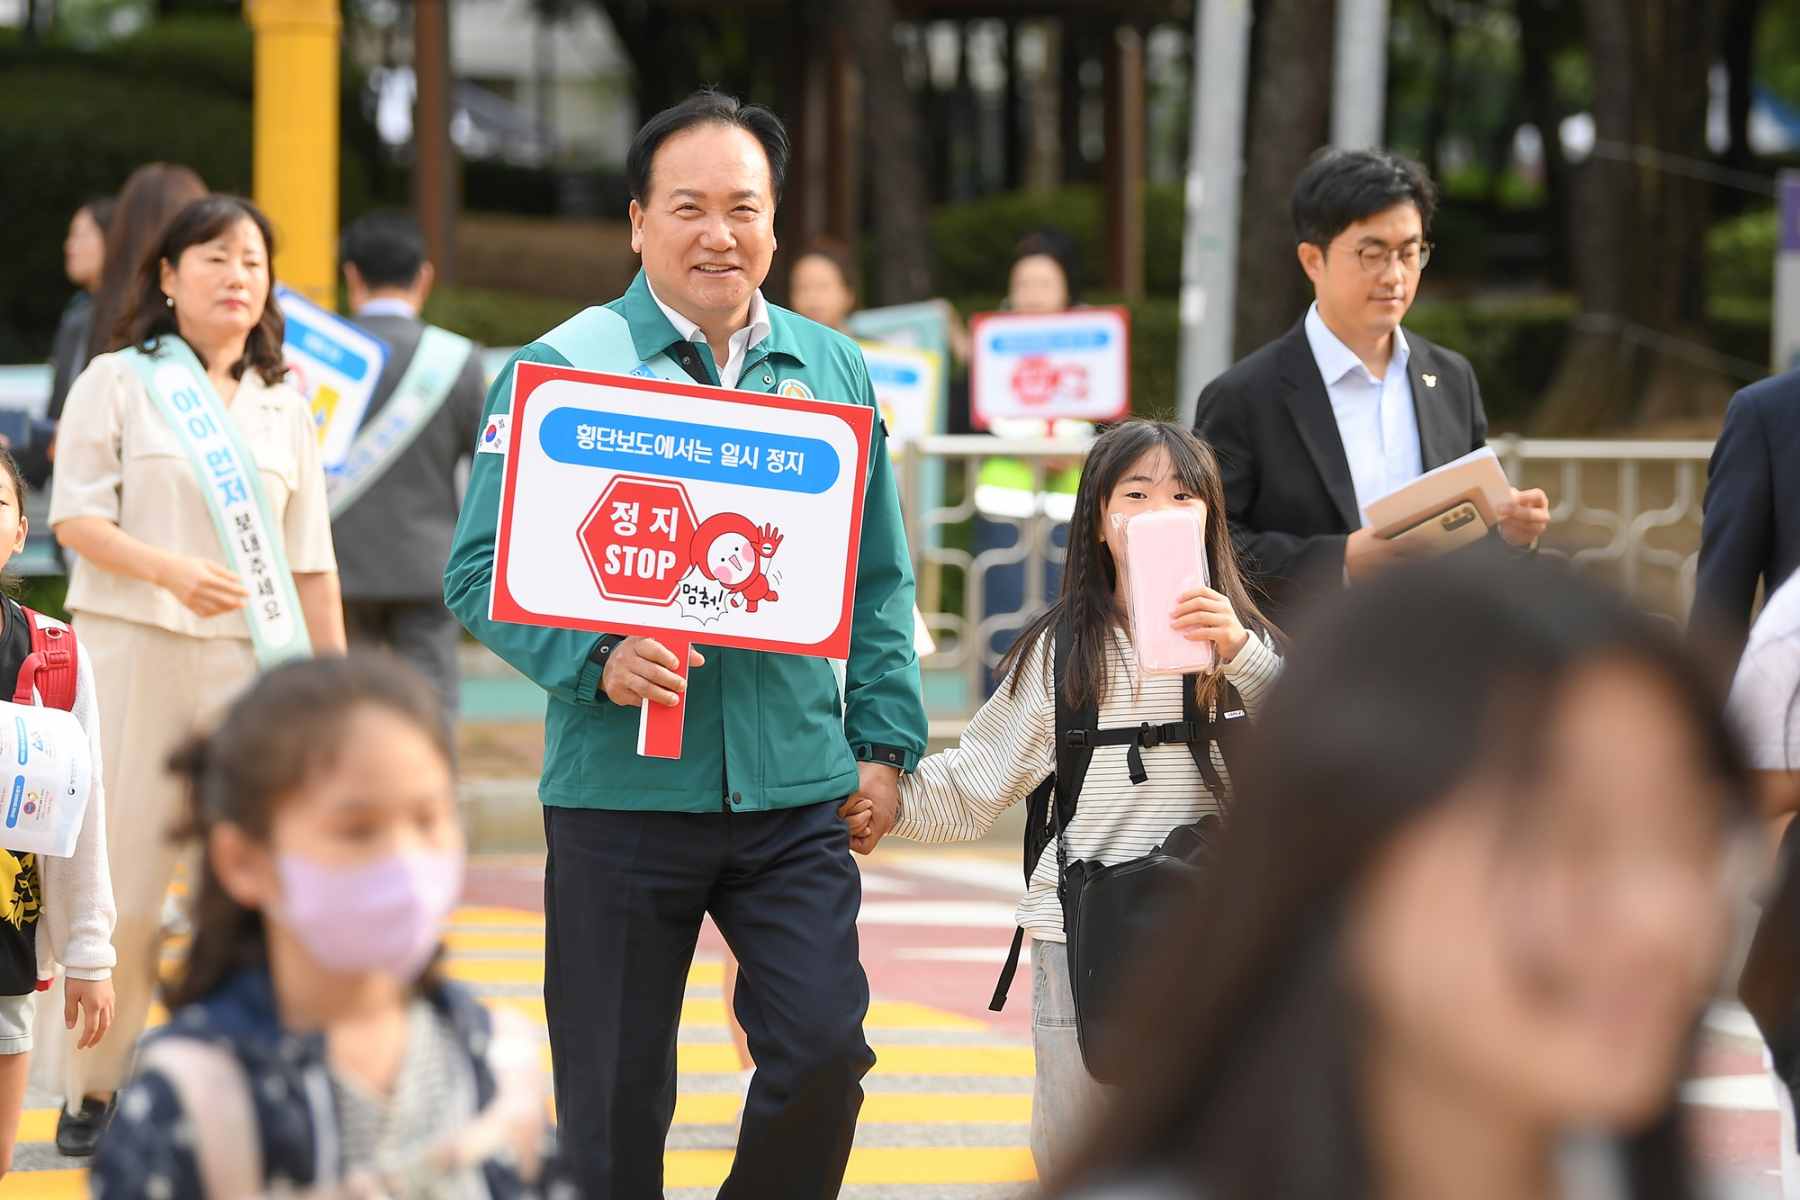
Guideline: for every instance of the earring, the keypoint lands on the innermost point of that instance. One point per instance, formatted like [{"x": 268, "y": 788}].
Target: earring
[{"x": 169, "y": 300}]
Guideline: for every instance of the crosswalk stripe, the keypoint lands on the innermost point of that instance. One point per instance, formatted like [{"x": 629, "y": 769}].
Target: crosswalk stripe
[
  {"x": 881, "y": 1108},
  {"x": 876, "y": 1165},
  {"x": 44, "y": 1185},
  {"x": 891, "y": 1165}
]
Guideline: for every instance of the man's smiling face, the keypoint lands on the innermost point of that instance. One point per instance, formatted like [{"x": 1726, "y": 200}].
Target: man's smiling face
[{"x": 706, "y": 226}]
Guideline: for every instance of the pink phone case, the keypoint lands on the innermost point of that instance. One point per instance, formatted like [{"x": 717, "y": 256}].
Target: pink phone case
[{"x": 1165, "y": 555}]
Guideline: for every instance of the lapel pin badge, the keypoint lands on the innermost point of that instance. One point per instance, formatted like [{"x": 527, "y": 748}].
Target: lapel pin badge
[{"x": 1430, "y": 380}]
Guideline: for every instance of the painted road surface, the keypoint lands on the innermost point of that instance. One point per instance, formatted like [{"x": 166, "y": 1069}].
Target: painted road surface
[{"x": 949, "y": 1102}]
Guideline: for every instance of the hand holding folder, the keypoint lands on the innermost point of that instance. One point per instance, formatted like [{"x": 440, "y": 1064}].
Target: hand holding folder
[{"x": 1445, "y": 508}]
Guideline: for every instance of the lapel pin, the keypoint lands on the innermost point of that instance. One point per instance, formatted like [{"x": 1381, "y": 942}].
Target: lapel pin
[{"x": 1430, "y": 380}]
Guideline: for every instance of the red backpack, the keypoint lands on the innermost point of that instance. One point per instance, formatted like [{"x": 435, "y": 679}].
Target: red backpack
[{"x": 49, "y": 670}]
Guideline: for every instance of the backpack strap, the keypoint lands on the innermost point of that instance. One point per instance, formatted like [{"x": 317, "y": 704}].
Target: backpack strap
[
  {"x": 51, "y": 669},
  {"x": 214, "y": 1092},
  {"x": 1051, "y": 805}
]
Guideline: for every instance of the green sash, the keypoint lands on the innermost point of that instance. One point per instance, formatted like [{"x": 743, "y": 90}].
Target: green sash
[
  {"x": 418, "y": 396},
  {"x": 228, "y": 477}
]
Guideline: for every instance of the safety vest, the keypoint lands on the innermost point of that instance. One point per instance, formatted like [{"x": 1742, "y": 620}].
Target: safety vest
[{"x": 1005, "y": 489}]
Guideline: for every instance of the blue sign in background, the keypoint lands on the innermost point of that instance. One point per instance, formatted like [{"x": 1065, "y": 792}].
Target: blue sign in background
[
  {"x": 898, "y": 374},
  {"x": 1048, "y": 341},
  {"x": 340, "y": 358},
  {"x": 818, "y": 460}
]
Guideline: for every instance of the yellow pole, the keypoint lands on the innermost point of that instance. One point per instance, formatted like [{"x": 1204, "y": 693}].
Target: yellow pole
[{"x": 296, "y": 138}]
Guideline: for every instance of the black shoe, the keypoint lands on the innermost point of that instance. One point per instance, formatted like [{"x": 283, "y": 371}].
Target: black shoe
[{"x": 77, "y": 1134}]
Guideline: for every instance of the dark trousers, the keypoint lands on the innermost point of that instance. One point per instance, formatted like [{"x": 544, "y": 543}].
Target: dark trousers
[
  {"x": 423, "y": 632},
  {"x": 624, "y": 894}
]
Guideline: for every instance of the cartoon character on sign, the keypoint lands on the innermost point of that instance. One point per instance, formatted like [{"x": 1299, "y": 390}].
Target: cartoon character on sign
[{"x": 731, "y": 550}]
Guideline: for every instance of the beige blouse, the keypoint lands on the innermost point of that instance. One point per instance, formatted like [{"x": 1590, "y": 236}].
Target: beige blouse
[{"x": 117, "y": 458}]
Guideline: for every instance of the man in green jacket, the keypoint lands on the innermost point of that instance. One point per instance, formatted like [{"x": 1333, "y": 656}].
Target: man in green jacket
[{"x": 749, "y": 824}]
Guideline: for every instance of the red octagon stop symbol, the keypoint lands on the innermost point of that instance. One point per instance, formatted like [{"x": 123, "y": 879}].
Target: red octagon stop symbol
[
  {"x": 636, "y": 539},
  {"x": 1034, "y": 380}
]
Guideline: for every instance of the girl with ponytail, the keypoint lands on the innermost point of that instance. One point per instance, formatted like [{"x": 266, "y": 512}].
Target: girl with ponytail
[{"x": 311, "y": 1045}]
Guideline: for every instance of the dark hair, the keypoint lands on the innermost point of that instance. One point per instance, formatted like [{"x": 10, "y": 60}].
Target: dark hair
[
  {"x": 838, "y": 254},
  {"x": 1054, "y": 244},
  {"x": 706, "y": 107},
  {"x": 1338, "y": 188},
  {"x": 386, "y": 248},
  {"x": 276, "y": 737},
  {"x": 1242, "y": 1048},
  {"x": 150, "y": 316},
  {"x": 147, "y": 203},
  {"x": 100, "y": 210},
  {"x": 10, "y": 465},
  {"x": 1090, "y": 577}
]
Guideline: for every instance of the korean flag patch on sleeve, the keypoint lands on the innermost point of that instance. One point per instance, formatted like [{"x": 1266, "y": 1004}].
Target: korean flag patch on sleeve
[{"x": 494, "y": 435}]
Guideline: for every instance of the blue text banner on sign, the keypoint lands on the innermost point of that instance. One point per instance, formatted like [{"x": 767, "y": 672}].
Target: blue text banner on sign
[{"x": 687, "y": 450}]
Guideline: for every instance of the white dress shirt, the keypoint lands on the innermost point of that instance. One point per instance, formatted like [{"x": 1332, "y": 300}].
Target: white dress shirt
[
  {"x": 388, "y": 306},
  {"x": 755, "y": 331},
  {"x": 1375, "y": 417}
]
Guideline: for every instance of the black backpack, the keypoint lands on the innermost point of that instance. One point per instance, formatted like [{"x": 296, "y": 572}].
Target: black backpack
[{"x": 1107, "y": 910}]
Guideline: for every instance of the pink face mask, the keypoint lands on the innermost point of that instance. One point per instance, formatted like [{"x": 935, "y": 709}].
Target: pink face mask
[{"x": 385, "y": 916}]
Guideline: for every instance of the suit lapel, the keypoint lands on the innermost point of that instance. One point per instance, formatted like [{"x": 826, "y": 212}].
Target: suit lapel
[
  {"x": 1303, "y": 390},
  {"x": 1442, "y": 436}
]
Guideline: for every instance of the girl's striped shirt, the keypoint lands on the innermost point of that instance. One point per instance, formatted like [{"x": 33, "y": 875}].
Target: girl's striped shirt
[{"x": 1009, "y": 748}]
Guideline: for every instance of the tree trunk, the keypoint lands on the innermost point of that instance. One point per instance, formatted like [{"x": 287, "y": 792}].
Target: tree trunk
[
  {"x": 1738, "y": 49},
  {"x": 1639, "y": 231},
  {"x": 902, "y": 230},
  {"x": 1289, "y": 118},
  {"x": 1538, "y": 45}
]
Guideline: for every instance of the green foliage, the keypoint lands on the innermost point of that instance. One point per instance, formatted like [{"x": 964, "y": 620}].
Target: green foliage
[
  {"x": 82, "y": 120},
  {"x": 496, "y": 318},
  {"x": 972, "y": 243},
  {"x": 1740, "y": 258}
]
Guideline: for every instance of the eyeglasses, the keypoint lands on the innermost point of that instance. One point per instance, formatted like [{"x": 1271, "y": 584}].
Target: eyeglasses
[{"x": 1375, "y": 257}]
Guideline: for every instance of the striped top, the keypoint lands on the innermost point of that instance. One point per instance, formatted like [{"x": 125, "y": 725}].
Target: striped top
[{"x": 1009, "y": 748}]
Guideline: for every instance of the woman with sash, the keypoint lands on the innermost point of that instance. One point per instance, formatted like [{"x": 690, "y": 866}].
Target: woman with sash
[{"x": 188, "y": 483}]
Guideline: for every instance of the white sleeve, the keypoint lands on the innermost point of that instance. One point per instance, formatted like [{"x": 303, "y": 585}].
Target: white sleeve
[
  {"x": 1253, "y": 671},
  {"x": 1007, "y": 749},
  {"x": 79, "y": 913}
]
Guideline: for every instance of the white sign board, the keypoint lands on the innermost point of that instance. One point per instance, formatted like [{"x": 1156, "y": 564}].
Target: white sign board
[
  {"x": 1786, "y": 334},
  {"x": 639, "y": 506},
  {"x": 908, "y": 384},
  {"x": 1073, "y": 365},
  {"x": 336, "y": 365}
]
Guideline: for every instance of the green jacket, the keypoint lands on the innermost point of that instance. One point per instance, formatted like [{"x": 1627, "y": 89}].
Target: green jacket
[{"x": 763, "y": 731}]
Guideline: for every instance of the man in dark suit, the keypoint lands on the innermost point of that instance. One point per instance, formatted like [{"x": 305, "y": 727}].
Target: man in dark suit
[
  {"x": 393, "y": 521},
  {"x": 1345, "y": 407},
  {"x": 1750, "y": 530}
]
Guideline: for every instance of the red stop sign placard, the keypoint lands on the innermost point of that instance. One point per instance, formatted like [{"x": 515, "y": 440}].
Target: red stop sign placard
[{"x": 637, "y": 538}]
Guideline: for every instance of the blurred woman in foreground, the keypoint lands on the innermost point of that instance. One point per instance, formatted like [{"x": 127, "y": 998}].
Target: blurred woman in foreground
[{"x": 1476, "y": 899}]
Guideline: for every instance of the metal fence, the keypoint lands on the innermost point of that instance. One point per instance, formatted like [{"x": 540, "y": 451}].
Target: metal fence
[{"x": 1629, "y": 510}]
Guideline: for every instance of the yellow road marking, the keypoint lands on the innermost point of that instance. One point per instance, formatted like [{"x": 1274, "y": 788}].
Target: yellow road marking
[
  {"x": 709, "y": 1013},
  {"x": 883, "y": 1108},
  {"x": 875, "y": 1165}
]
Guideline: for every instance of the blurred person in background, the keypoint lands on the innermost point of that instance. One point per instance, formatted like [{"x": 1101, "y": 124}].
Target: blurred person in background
[
  {"x": 1765, "y": 703},
  {"x": 151, "y": 197},
  {"x": 182, "y": 587},
  {"x": 1750, "y": 527},
  {"x": 822, "y": 284},
  {"x": 394, "y": 500},
  {"x": 84, "y": 256},
  {"x": 314, "y": 1047},
  {"x": 1476, "y": 897},
  {"x": 1008, "y": 496}
]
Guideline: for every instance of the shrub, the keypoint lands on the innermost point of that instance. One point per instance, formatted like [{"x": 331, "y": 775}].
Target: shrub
[{"x": 181, "y": 92}]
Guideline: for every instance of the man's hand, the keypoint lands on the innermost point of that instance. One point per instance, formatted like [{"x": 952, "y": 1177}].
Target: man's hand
[
  {"x": 1366, "y": 555},
  {"x": 641, "y": 669},
  {"x": 1524, "y": 520},
  {"x": 872, "y": 811}
]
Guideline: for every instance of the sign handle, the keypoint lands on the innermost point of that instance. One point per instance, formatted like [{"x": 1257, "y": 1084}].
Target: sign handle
[{"x": 659, "y": 726}]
